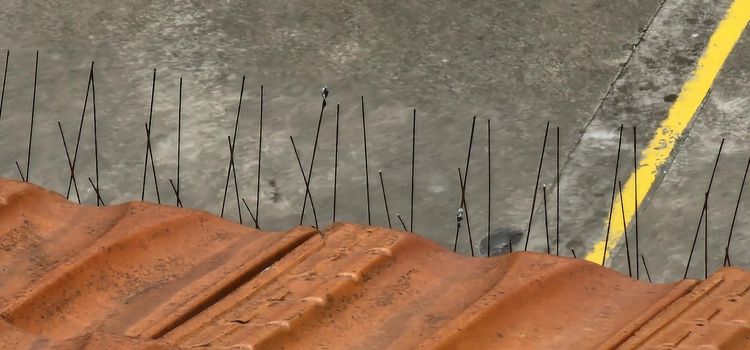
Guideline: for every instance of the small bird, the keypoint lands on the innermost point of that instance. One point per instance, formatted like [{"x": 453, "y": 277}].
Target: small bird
[
  {"x": 324, "y": 92},
  {"x": 460, "y": 216}
]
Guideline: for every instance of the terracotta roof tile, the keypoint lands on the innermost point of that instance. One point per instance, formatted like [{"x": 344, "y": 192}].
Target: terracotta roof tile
[
  {"x": 68, "y": 269},
  {"x": 140, "y": 275},
  {"x": 715, "y": 313}
]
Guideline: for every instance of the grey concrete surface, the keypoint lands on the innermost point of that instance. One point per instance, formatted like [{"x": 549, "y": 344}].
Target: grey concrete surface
[
  {"x": 519, "y": 63},
  {"x": 585, "y": 66},
  {"x": 641, "y": 96},
  {"x": 670, "y": 218}
]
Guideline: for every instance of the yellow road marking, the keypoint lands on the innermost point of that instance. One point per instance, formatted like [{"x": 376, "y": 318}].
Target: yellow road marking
[{"x": 683, "y": 110}]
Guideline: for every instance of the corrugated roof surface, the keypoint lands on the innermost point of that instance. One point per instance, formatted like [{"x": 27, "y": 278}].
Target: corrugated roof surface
[{"x": 139, "y": 275}]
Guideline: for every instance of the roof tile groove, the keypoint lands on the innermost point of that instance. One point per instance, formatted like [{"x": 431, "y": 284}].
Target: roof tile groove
[
  {"x": 142, "y": 276},
  {"x": 137, "y": 264},
  {"x": 717, "y": 312}
]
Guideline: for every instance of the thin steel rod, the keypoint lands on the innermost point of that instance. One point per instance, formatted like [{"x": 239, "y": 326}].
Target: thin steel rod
[
  {"x": 367, "y": 172},
  {"x": 458, "y": 224},
  {"x": 695, "y": 238},
  {"x": 305, "y": 180},
  {"x": 153, "y": 164},
  {"x": 413, "y": 156},
  {"x": 145, "y": 162},
  {"x": 489, "y": 186},
  {"x": 612, "y": 203},
  {"x": 703, "y": 209},
  {"x": 402, "y": 222},
  {"x": 625, "y": 231},
  {"x": 176, "y": 193},
  {"x": 312, "y": 163},
  {"x": 80, "y": 129},
  {"x": 234, "y": 139},
  {"x": 148, "y": 127},
  {"x": 70, "y": 163},
  {"x": 705, "y": 243},
  {"x": 31, "y": 129},
  {"x": 20, "y": 172},
  {"x": 335, "y": 164},
  {"x": 727, "y": 262},
  {"x": 260, "y": 153},
  {"x": 96, "y": 136},
  {"x": 78, "y": 138},
  {"x": 646, "y": 268},
  {"x": 635, "y": 202},
  {"x": 234, "y": 174},
  {"x": 462, "y": 181},
  {"x": 536, "y": 187},
  {"x": 385, "y": 199},
  {"x": 96, "y": 190},
  {"x": 546, "y": 225},
  {"x": 734, "y": 216},
  {"x": 249, "y": 211},
  {"x": 5, "y": 76},
  {"x": 557, "y": 194},
  {"x": 463, "y": 187},
  {"x": 179, "y": 142}
]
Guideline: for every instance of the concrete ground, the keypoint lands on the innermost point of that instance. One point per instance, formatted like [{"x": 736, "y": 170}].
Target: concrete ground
[
  {"x": 669, "y": 221},
  {"x": 585, "y": 66}
]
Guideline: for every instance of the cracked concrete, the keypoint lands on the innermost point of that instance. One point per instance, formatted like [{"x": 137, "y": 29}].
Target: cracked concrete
[
  {"x": 670, "y": 218},
  {"x": 642, "y": 97},
  {"x": 519, "y": 63}
]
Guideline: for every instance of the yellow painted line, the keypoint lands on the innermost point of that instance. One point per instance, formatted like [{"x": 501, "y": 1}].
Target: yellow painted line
[{"x": 721, "y": 43}]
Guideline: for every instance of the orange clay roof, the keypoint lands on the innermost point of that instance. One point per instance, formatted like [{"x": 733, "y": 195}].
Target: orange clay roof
[{"x": 142, "y": 276}]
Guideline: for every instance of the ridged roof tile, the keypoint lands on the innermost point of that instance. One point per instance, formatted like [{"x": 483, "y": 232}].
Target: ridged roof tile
[{"x": 138, "y": 275}]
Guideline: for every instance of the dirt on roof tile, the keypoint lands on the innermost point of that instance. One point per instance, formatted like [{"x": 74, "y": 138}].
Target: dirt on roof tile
[
  {"x": 69, "y": 269},
  {"x": 144, "y": 276}
]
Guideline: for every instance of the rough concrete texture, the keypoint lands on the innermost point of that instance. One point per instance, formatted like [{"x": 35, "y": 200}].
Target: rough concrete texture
[
  {"x": 671, "y": 217},
  {"x": 641, "y": 96},
  {"x": 586, "y": 66},
  {"x": 519, "y": 63}
]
